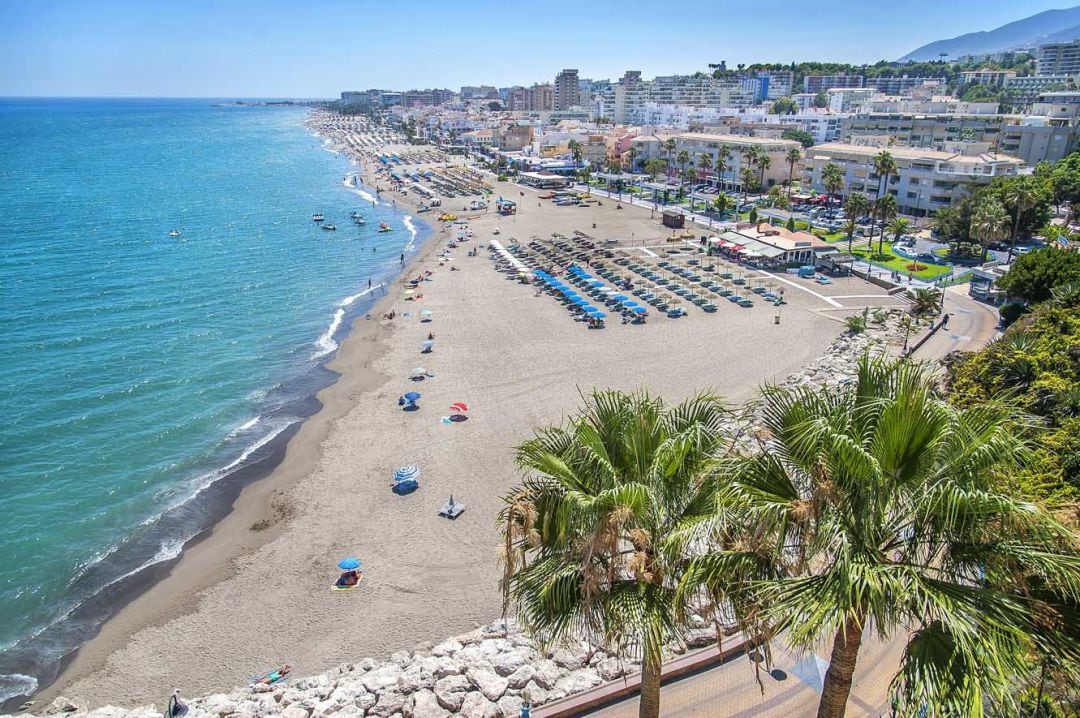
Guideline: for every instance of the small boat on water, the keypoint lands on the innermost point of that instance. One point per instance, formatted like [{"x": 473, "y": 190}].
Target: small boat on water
[
  {"x": 384, "y": 227},
  {"x": 330, "y": 227},
  {"x": 359, "y": 220},
  {"x": 174, "y": 233},
  {"x": 354, "y": 214},
  {"x": 317, "y": 217}
]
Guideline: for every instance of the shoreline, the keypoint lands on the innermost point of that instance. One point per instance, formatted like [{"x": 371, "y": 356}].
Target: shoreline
[{"x": 249, "y": 495}]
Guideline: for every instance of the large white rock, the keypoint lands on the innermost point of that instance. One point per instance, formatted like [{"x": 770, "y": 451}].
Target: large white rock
[
  {"x": 568, "y": 659},
  {"x": 700, "y": 637},
  {"x": 494, "y": 646},
  {"x": 296, "y": 710},
  {"x": 521, "y": 677},
  {"x": 510, "y": 705},
  {"x": 506, "y": 663},
  {"x": 577, "y": 681},
  {"x": 390, "y": 702},
  {"x": 63, "y": 704},
  {"x": 611, "y": 668},
  {"x": 490, "y": 683},
  {"x": 414, "y": 678},
  {"x": 401, "y": 658},
  {"x": 536, "y": 694},
  {"x": 425, "y": 705},
  {"x": 108, "y": 712},
  {"x": 477, "y": 706},
  {"x": 382, "y": 677},
  {"x": 546, "y": 673},
  {"x": 446, "y": 648},
  {"x": 349, "y": 711},
  {"x": 450, "y": 691}
]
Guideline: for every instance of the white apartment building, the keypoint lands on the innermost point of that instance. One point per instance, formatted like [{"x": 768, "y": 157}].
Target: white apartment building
[
  {"x": 849, "y": 99},
  {"x": 697, "y": 144},
  {"x": 926, "y": 181},
  {"x": 986, "y": 76}
]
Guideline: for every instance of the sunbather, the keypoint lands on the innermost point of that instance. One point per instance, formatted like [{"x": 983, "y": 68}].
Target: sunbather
[{"x": 275, "y": 676}]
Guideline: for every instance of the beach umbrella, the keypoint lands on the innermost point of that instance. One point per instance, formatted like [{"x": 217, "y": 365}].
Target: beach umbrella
[
  {"x": 639, "y": 310},
  {"x": 349, "y": 564},
  {"x": 406, "y": 472},
  {"x": 412, "y": 396},
  {"x": 597, "y": 283},
  {"x": 419, "y": 371},
  {"x": 620, "y": 297},
  {"x": 459, "y": 406},
  {"x": 628, "y": 303},
  {"x": 599, "y": 315}
]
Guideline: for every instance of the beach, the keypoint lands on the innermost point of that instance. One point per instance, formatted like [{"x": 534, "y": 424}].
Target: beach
[{"x": 255, "y": 593}]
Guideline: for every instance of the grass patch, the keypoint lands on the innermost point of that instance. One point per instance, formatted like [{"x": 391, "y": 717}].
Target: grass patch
[{"x": 890, "y": 260}]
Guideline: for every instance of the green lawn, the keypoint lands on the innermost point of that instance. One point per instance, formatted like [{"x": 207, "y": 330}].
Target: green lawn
[{"x": 891, "y": 260}]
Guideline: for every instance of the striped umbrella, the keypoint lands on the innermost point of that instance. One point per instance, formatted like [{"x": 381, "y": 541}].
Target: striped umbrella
[{"x": 406, "y": 472}]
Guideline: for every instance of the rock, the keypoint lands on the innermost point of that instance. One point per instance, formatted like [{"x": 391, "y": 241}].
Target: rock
[
  {"x": 390, "y": 702},
  {"x": 535, "y": 693},
  {"x": 521, "y": 677},
  {"x": 401, "y": 658},
  {"x": 446, "y": 648},
  {"x": 324, "y": 708},
  {"x": 700, "y": 637},
  {"x": 450, "y": 691},
  {"x": 63, "y": 704},
  {"x": 494, "y": 646},
  {"x": 506, "y": 663},
  {"x": 611, "y": 669},
  {"x": 578, "y": 681},
  {"x": 441, "y": 666},
  {"x": 490, "y": 683},
  {"x": 319, "y": 681},
  {"x": 348, "y": 712},
  {"x": 296, "y": 710},
  {"x": 366, "y": 664},
  {"x": 570, "y": 660},
  {"x": 107, "y": 712},
  {"x": 425, "y": 705},
  {"x": 347, "y": 693},
  {"x": 494, "y": 630},
  {"x": 546, "y": 673},
  {"x": 697, "y": 621},
  {"x": 510, "y": 705},
  {"x": 262, "y": 688},
  {"x": 152, "y": 712},
  {"x": 477, "y": 706},
  {"x": 382, "y": 677},
  {"x": 414, "y": 679},
  {"x": 366, "y": 701}
]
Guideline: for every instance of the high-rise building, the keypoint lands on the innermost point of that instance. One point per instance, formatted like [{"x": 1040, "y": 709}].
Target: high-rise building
[
  {"x": 817, "y": 83},
  {"x": 901, "y": 85},
  {"x": 567, "y": 93},
  {"x": 541, "y": 98},
  {"x": 517, "y": 99},
  {"x": 1059, "y": 58}
]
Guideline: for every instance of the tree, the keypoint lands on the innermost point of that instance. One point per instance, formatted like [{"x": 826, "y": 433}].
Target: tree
[
  {"x": 856, "y": 206},
  {"x": 575, "y": 150},
  {"x": 723, "y": 160},
  {"x": 631, "y": 156},
  {"x": 784, "y": 106},
  {"x": 885, "y": 167},
  {"x": 899, "y": 227},
  {"x": 669, "y": 148},
  {"x": 704, "y": 163},
  {"x": 821, "y": 99},
  {"x": 722, "y": 203},
  {"x": 683, "y": 158},
  {"x": 792, "y": 156},
  {"x": 832, "y": 178},
  {"x": 989, "y": 223},
  {"x": 1034, "y": 276},
  {"x": 750, "y": 157},
  {"x": 778, "y": 198},
  {"x": 748, "y": 179},
  {"x": 763, "y": 163},
  {"x": 870, "y": 508},
  {"x": 655, "y": 167},
  {"x": 1020, "y": 196},
  {"x": 1065, "y": 183},
  {"x": 803, "y": 137},
  {"x": 926, "y": 300},
  {"x": 594, "y": 538},
  {"x": 790, "y": 224},
  {"x": 885, "y": 209}
]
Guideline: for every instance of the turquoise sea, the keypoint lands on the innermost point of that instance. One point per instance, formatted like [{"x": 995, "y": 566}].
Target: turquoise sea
[{"x": 145, "y": 377}]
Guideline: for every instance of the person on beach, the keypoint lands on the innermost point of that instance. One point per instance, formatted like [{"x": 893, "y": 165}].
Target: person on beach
[
  {"x": 277, "y": 675},
  {"x": 402, "y": 259},
  {"x": 369, "y": 283},
  {"x": 176, "y": 706}
]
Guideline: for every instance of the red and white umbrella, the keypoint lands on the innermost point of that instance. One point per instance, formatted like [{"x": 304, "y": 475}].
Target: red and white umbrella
[{"x": 459, "y": 406}]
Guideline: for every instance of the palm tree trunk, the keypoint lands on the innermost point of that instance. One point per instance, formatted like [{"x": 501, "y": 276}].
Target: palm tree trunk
[
  {"x": 649, "y": 705},
  {"x": 837, "y": 685},
  {"x": 1016, "y": 231}
]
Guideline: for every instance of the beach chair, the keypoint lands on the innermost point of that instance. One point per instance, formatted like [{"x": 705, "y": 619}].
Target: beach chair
[{"x": 452, "y": 509}]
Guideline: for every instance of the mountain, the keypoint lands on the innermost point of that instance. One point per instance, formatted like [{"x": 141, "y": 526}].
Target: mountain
[{"x": 1048, "y": 26}]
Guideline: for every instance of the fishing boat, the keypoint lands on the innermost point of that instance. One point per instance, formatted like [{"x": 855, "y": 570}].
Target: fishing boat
[
  {"x": 330, "y": 227},
  {"x": 317, "y": 217},
  {"x": 174, "y": 233},
  {"x": 384, "y": 227},
  {"x": 359, "y": 220}
]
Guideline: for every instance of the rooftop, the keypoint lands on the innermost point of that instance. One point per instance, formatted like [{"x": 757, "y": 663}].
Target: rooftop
[
  {"x": 735, "y": 139},
  {"x": 908, "y": 153}
]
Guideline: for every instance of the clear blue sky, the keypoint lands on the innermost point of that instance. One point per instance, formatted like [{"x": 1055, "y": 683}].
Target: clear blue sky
[{"x": 316, "y": 48}]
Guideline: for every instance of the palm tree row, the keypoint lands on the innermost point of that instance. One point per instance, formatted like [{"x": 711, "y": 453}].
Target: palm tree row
[{"x": 864, "y": 510}]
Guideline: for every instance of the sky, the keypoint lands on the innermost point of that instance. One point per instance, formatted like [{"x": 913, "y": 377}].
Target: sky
[{"x": 317, "y": 48}]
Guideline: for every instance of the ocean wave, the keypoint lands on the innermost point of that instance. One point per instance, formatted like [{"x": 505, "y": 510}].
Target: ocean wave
[
  {"x": 352, "y": 183},
  {"x": 407, "y": 221},
  {"x": 326, "y": 343},
  {"x": 13, "y": 685},
  {"x": 348, "y": 301},
  {"x": 242, "y": 428}
]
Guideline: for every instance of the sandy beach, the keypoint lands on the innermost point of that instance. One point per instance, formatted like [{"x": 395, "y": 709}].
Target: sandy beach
[{"x": 256, "y": 592}]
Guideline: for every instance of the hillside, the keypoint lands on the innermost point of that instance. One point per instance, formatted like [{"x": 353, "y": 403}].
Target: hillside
[{"x": 1048, "y": 26}]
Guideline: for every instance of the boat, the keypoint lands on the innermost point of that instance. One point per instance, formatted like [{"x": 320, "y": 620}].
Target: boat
[
  {"x": 384, "y": 227},
  {"x": 317, "y": 217},
  {"x": 354, "y": 214},
  {"x": 359, "y": 220},
  {"x": 174, "y": 233},
  {"x": 330, "y": 227}
]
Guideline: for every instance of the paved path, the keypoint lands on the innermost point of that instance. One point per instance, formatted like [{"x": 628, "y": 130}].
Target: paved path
[
  {"x": 972, "y": 325},
  {"x": 791, "y": 691}
]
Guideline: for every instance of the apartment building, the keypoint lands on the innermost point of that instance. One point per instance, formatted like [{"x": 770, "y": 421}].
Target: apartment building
[
  {"x": 541, "y": 98},
  {"x": 697, "y": 144},
  {"x": 903, "y": 84},
  {"x": 926, "y": 181},
  {"x": 986, "y": 76},
  {"x": 517, "y": 99},
  {"x": 849, "y": 99},
  {"x": 1026, "y": 89},
  {"x": 814, "y": 84},
  {"x": 1059, "y": 58},
  {"x": 777, "y": 83},
  {"x": 567, "y": 92}
]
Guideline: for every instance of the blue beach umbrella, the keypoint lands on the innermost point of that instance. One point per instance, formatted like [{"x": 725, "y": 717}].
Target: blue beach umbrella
[
  {"x": 406, "y": 472},
  {"x": 349, "y": 564},
  {"x": 597, "y": 283},
  {"x": 620, "y": 297},
  {"x": 639, "y": 310},
  {"x": 412, "y": 396},
  {"x": 599, "y": 315}
]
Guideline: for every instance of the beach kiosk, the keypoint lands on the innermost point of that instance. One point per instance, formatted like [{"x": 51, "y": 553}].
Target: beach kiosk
[
  {"x": 505, "y": 206},
  {"x": 674, "y": 219}
]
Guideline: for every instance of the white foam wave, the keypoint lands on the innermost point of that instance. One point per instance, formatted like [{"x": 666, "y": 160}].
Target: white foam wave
[
  {"x": 348, "y": 301},
  {"x": 325, "y": 343},
  {"x": 352, "y": 182},
  {"x": 407, "y": 221},
  {"x": 243, "y": 427},
  {"x": 13, "y": 685}
]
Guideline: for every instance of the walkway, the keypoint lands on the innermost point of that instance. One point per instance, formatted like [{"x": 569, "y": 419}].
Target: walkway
[{"x": 972, "y": 325}]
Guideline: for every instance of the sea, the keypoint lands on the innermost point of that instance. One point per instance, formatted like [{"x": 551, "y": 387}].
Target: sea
[{"x": 145, "y": 378}]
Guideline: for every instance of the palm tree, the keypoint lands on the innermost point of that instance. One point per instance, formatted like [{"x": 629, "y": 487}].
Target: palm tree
[
  {"x": 746, "y": 174},
  {"x": 898, "y": 228},
  {"x": 885, "y": 167},
  {"x": 856, "y": 206},
  {"x": 832, "y": 178},
  {"x": 793, "y": 156},
  {"x": 1019, "y": 196},
  {"x": 704, "y": 163},
  {"x": 631, "y": 156},
  {"x": 763, "y": 162},
  {"x": 575, "y": 150},
  {"x": 723, "y": 160},
  {"x": 682, "y": 158},
  {"x": 593, "y": 539},
  {"x": 885, "y": 209},
  {"x": 721, "y": 203},
  {"x": 875, "y": 508},
  {"x": 750, "y": 157},
  {"x": 926, "y": 301},
  {"x": 669, "y": 147},
  {"x": 989, "y": 223}
]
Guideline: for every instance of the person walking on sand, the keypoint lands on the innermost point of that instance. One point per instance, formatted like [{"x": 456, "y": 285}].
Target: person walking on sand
[
  {"x": 369, "y": 283},
  {"x": 402, "y": 259}
]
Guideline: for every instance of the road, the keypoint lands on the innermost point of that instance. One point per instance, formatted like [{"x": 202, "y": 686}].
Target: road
[
  {"x": 972, "y": 325},
  {"x": 793, "y": 689}
]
